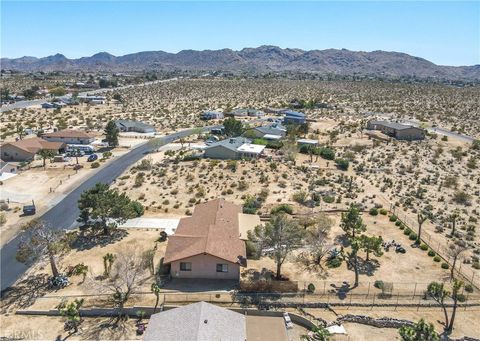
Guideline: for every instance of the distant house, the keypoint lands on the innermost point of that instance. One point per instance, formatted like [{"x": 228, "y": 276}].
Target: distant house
[
  {"x": 135, "y": 126},
  {"x": 233, "y": 148},
  {"x": 92, "y": 99},
  {"x": 69, "y": 136},
  {"x": 199, "y": 321},
  {"x": 25, "y": 150},
  {"x": 397, "y": 130},
  {"x": 307, "y": 142},
  {"x": 207, "y": 244},
  {"x": 295, "y": 117},
  {"x": 54, "y": 105},
  {"x": 273, "y": 129},
  {"x": 245, "y": 113},
  {"x": 212, "y": 115}
]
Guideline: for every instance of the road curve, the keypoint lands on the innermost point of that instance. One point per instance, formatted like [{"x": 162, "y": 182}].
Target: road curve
[{"x": 64, "y": 214}]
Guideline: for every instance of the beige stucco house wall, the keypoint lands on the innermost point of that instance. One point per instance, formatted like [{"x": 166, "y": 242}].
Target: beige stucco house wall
[
  {"x": 12, "y": 153},
  {"x": 205, "y": 266}
]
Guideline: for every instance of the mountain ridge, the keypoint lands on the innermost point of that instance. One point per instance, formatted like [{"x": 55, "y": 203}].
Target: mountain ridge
[{"x": 262, "y": 59}]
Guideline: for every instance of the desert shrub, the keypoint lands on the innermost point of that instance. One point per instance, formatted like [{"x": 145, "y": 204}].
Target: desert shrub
[
  {"x": 407, "y": 231},
  {"x": 393, "y": 218},
  {"x": 95, "y": 164},
  {"x": 232, "y": 165},
  {"x": 300, "y": 197},
  {"x": 412, "y": 236},
  {"x": 373, "y": 211},
  {"x": 398, "y": 223},
  {"x": 268, "y": 286},
  {"x": 431, "y": 253},
  {"x": 242, "y": 185},
  {"x": 328, "y": 199},
  {"x": 445, "y": 265},
  {"x": 383, "y": 211},
  {"x": 469, "y": 288},
  {"x": 311, "y": 288},
  {"x": 476, "y": 265},
  {"x": 342, "y": 164},
  {"x": 327, "y": 153},
  {"x": 334, "y": 262},
  {"x": 401, "y": 227},
  {"x": 286, "y": 208},
  {"x": 378, "y": 284},
  {"x": 138, "y": 208},
  {"x": 437, "y": 259},
  {"x": 163, "y": 236},
  {"x": 461, "y": 298},
  {"x": 461, "y": 197},
  {"x": 424, "y": 247}
]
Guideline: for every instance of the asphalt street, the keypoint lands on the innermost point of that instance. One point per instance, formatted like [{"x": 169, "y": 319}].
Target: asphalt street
[{"x": 64, "y": 214}]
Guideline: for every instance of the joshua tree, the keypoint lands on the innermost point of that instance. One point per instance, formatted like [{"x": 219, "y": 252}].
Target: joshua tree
[
  {"x": 72, "y": 312},
  {"x": 45, "y": 154},
  {"x": 40, "y": 240},
  {"x": 454, "y": 252},
  {"x": 108, "y": 260},
  {"x": 280, "y": 233},
  {"x": 155, "y": 288},
  {"x": 457, "y": 285},
  {"x": 453, "y": 218},
  {"x": 420, "y": 219}
]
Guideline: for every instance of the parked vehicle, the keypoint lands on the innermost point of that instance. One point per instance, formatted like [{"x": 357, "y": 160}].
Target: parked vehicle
[
  {"x": 92, "y": 158},
  {"x": 29, "y": 209},
  {"x": 86, "y": 149}
]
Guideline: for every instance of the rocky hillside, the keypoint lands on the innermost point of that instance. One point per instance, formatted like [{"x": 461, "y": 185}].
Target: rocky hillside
[{"x": 256, "y": 60}]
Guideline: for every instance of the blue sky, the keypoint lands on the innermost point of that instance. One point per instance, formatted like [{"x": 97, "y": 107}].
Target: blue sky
[{"x": 446, "y": 33}]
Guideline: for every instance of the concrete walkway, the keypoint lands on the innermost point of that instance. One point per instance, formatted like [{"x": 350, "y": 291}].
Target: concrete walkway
[{"x": 163, "y": 224}]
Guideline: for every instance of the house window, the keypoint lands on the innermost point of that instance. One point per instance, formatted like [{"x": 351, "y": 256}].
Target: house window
[
  {"x": 222, "y": 267},
  {"x": 184, "y": 266}
]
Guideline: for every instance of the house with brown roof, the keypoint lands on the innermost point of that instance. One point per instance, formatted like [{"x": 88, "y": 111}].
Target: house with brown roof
[
  {"x": 207, "y": 244},
  {"x": 25, "y": 150},
  {"x": 69, "y": 136}
]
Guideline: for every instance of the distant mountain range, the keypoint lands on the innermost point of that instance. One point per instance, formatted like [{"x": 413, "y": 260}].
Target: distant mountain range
[{"x": 262, "y": 59}]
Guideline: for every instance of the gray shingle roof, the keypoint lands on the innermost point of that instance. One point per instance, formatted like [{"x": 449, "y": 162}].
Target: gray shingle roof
[
  {"x": 199, "y": 321},
  {"x": 132, "y": 124}
]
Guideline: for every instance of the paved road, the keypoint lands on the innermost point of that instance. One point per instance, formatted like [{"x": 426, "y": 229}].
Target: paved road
[{"x": 64, "y": 214}]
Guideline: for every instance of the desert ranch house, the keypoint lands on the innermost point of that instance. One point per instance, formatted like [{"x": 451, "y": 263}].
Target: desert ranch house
[
  {"x": 207, "y": 245},
  {"x": 270, "y": 130},
  {"x": 199, "y": 321},
  {"x": 134, "y": 126},
  {"x": 25, "y": 150},
  {"x": 234, "y": 148},
  {"x": 397, "y": 130},
  {"x": 245, "y": 113},
  {"x": 69, "y": 136},
  {"x": 294, "y": 117},
  {"x": 211, "y": 115}
]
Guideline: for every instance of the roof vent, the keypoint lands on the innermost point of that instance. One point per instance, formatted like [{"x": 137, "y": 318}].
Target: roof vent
[
  {"x": 232, "y": 140},
  {"x": 205, "y": 321}
]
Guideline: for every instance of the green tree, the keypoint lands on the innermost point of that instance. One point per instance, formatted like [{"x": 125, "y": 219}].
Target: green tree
[
  {"x": 232, "y": 127},
  {"x": 371, "y": 245},
  {"x": 111, "y": 134},
  {"x": 281, "y": 234},
  {"x": 42, "y": 241},
  {"x": 320, "y": 333},
  {"x": 352, "y": 224},
  {"x": 457, "y": 285},
  {"x": 46, "y": 154},
  {"x": 420, "y": 331},
  {"x": 72, "y": 312},
  {"x": 107, "y": 207},
  {"x": 342, "y": 164},
  {"x": 62, "y": 124}
]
